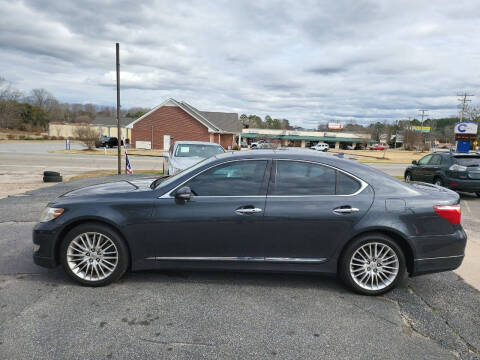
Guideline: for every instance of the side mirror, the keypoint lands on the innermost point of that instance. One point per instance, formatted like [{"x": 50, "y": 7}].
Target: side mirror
[
  {"x": 414, "y": 162},
  {"x": 184, "y": 193},
  {"x": 166, "y": 154}
]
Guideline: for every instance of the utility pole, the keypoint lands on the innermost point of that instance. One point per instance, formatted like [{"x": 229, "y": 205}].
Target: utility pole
[
  {"x": 464, "y": 100},
  {"x": 119, "y": 134},
  {"x": 423, "y": 136}
]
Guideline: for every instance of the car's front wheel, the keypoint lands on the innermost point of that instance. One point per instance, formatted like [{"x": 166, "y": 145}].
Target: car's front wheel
[
  {"x": 408, "y": 177},
  {"x": 372, "y": 264},
  {"x": 94, "y": 254}
]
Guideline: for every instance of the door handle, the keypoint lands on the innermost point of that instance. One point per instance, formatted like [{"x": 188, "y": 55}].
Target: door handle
[
  {"x": 345, "y": 210},
  {"x": 246, "y": 211}
]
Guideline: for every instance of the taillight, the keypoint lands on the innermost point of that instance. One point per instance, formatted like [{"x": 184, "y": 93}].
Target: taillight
[{"x": 451, "y": 213}]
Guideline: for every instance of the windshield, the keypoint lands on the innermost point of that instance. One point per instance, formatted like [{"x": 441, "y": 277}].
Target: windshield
[
  {"x": 197, "y": 150},
  {"x": 169, "y": 180},
  {"x": 468, "y": 160}
]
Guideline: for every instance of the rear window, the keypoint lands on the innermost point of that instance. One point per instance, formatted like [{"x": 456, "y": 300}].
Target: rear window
[{"x": 468, "y": 160}]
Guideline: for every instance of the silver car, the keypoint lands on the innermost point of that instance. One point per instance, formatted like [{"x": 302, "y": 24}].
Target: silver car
[{"x": 184, "y": 154}]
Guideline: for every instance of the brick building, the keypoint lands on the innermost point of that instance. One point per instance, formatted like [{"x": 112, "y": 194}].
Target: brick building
[{"x": 178, "y": 121}]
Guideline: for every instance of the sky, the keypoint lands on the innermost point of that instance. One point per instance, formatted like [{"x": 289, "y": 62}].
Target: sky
[{"x": 307, "y": 61}]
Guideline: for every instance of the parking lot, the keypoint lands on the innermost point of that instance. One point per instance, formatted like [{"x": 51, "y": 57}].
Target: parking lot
[
  {"x": 216, "y": 314},
  {"x": 219, "y": 315}
]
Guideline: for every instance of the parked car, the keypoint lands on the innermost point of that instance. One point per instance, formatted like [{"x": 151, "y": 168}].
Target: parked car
[
  {"x": 258, "y": 143},
  {"x": 244, "y": 144},
  {"x": 184, "y": 154},
  {"x": 457, "y": 171},
  {"x": 310, "y": 212},
  {"x": 379, "y": 147},
  {"x": 321, "y": 146},
  {"x": 107, "y": 141},
  {"x": 265, "y": 145}
]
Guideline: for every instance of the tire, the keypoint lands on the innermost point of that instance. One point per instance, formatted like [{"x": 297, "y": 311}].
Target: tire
[
  {"x": 351, "y": 271},
  {"x": 52, "y": 179},
  {"x": 408, "y": 177},
  {"x": 438, "y": 181},
  {"x": 51, "y": 173},
  {"x": 103, "y": 267}
]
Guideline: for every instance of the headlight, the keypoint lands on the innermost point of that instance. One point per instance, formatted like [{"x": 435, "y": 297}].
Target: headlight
[
  {"x": 456, "y": 167},
  {"x": 50, "y": 213}
]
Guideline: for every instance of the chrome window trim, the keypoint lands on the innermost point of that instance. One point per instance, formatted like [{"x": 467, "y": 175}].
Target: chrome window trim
[
  {"x": 239, "y": 259},
  {"x": 363, "y": 184},
  {"x": 168, "y": 194}
]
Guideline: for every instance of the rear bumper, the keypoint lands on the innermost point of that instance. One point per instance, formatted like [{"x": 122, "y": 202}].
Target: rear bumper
[
  {"x": 439, "y": 264},
  {"x": 448, "y": 254},
  {"x": 466, "y": 185}
]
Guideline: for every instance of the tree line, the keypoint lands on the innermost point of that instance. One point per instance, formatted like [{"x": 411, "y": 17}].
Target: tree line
[{"x": 35, "y": 110}]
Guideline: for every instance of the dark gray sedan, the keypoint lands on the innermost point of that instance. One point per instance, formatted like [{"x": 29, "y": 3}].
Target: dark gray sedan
[{"x": 263, "y": 210}]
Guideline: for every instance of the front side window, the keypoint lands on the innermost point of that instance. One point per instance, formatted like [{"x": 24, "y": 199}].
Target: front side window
[
  {"x": 436, "y": 160},
  {"x": 240, "y": 178},
  {"x": 197, "y": 150},
  {"x": 299, "y": 179},
  {"x": 424, "y": 160}
]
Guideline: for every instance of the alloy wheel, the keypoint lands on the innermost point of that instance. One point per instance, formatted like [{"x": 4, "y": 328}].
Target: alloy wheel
[
  {"x": 92, "y": 256},
  {"x": 374, "y": 266}
]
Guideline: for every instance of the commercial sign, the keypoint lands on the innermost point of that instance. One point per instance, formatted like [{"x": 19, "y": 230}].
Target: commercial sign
[
  {"x": 423, "y": 129},
  {"x": 466, "y": 130},
  {"x": 335, "y": 126},
  {"x": 466, "y": 127}
]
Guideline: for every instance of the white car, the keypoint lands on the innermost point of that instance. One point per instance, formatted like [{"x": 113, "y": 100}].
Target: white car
[
  {"x": 321, "y": 147},
  {"x": 184, "y": 154}
]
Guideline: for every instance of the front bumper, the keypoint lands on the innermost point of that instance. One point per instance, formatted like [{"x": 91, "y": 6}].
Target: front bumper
[
  {"x": 448, "y": 254},
  {"x": 46, "y": 240}
]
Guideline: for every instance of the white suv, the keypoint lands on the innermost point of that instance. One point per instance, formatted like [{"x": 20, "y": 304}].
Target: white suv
[{"x": 321, "y": 147}]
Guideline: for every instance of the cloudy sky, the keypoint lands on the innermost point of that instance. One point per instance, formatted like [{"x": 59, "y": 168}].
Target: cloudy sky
[{"x": 308, "y": 61}]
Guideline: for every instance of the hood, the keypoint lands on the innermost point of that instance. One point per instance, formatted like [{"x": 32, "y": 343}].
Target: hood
[
  {"x": 185, "y": 162},
  {"x": 117, "y": 187}
]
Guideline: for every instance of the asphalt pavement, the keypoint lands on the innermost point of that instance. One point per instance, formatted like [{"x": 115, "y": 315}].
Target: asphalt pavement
[{"x": 218, "y": 315}]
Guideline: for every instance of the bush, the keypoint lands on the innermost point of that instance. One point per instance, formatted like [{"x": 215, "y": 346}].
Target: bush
[{"x": 87, "y": 135}]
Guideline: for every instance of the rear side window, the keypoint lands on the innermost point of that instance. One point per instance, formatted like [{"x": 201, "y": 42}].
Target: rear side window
[
  {"x": 468, "y": 160},
  {"x": 346, "y": 185},
  {"x": 299, "y": 179}
]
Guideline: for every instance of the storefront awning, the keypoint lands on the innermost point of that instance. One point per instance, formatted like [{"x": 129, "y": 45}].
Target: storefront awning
[{"x": 306, "y": 138}]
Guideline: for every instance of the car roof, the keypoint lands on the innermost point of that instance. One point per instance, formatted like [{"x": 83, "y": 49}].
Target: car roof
[{"x": 197, "y": 143}]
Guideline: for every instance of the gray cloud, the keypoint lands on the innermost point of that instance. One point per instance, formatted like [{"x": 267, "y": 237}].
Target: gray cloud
[{"x": 307, "y": 61}]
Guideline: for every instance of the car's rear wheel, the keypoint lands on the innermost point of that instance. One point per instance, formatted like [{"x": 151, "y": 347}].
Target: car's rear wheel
[
  {"x": 408, "y": 177},
  {"x": 438, "y": 181},
  {"x": 372, "y": 264},
  {"x": 94, "y": 254}
]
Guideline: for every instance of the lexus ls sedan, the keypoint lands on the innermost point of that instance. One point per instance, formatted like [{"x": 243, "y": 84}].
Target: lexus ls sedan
[{"x": 280, "y": 210}]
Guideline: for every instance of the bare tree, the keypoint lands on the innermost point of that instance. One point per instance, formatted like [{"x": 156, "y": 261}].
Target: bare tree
[
  {"x": 9, "y": 109},
  {"x": 87, "y": 135}
]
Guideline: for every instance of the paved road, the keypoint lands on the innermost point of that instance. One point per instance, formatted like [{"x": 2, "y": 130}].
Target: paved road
[{"x": 218, "y": 315}]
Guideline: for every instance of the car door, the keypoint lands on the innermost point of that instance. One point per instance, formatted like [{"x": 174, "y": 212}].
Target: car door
[
  {"x": 432, "y": 168},
  {"x": 222, "y": 219},
  {"x": 419, "y": 172},
  {"x": 310, "y": 209}
]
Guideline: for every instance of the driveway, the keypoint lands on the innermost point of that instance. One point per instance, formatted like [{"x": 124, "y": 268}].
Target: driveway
[{"x": 218, "y": 315}]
